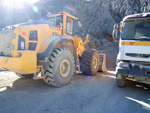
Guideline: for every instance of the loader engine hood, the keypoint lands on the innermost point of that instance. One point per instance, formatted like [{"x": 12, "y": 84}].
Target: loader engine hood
[
  {"x": 6, "y": 36},
  {"x": 36, "y": 22}
]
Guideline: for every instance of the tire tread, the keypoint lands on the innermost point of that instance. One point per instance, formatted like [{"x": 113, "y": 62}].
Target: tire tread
[{"x": 49, "y": 74}]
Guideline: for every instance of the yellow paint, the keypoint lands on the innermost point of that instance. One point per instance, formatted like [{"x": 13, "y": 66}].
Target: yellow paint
[
  {"x": 64, "y": 24},
  {"x": 63, "y": 13},
  {"x": 138, "y": 19},
  {"x": 136, "y": 43},
  {"x": 33, "y": 41},
  {"x": 79, "y": 45},
  {"x": 121, "y": 25},
  {"x": 25, "y": 64},
  {"x": 71, "y": 16}
]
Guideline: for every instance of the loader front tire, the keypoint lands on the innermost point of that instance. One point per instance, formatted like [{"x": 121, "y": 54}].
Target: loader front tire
[
  {"x": 90, "y": 62},
  {"x": 60, "y": 68}
]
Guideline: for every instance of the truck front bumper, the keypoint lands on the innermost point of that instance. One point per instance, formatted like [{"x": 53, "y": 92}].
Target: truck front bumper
[
  {"x": 25, "y": 64},
  {"x": 133, "y": 69}
]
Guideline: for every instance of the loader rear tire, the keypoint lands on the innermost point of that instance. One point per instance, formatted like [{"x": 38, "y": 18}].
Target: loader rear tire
[
  {"x": 60, "y": 68},
  {"x": 25, "y": 76},
  {"x": 90, "y": 62}
]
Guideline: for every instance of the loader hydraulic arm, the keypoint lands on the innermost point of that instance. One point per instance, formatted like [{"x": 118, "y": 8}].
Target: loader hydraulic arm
[{"x": 86, "y": 39}]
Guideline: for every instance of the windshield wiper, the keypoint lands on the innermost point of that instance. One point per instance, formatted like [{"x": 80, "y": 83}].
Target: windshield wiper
[{"x": 144, "y": 39}]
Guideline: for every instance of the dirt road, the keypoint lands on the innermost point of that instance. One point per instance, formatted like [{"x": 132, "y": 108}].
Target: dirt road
[{"x": 96, "y": 94}]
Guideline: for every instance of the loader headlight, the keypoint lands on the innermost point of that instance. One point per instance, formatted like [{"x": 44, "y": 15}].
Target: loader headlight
[
  {"x": 19, "y": 54},
  {"x": 123, "y": 64}
]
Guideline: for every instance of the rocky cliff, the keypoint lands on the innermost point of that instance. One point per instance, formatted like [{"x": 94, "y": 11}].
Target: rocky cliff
[{"x": 97, "y": 17}]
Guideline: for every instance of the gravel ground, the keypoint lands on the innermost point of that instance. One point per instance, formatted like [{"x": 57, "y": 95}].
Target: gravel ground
[{"x": 96, "y": 94}]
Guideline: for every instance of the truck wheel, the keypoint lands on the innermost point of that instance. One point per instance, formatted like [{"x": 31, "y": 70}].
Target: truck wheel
[
  {"x": 90, "y": 62},
  {"x": 60, "y": 68},
  {"x": 25, "y": 76},
  {"x": 120, "y": 80}
]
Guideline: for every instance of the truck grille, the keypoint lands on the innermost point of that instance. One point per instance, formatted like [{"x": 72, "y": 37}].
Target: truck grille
[
  {"x": 138, "y": 55},
  {"x": 6, "y": 46}
]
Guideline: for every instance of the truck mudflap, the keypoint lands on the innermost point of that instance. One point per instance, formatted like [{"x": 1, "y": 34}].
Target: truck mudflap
[{"x": 25, "y": 64}]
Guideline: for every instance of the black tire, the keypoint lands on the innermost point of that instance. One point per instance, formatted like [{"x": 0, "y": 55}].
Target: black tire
[
  {"x": 120, "y": 80},
  {"x": 102, "y": 63},
  {"x": 89, "y": 62},
  {"x": 25, "y": 76},
  {"x": 60, "y": 68}
]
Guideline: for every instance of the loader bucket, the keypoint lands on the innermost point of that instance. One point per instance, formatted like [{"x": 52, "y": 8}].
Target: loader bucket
[{"x": 102, "y": 65}]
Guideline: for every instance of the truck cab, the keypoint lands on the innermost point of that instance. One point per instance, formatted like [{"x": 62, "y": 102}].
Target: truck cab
[{"x": 133, "y": 60}]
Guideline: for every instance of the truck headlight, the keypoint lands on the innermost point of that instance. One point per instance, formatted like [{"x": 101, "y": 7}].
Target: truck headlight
[{"x": 123, "y": 64}]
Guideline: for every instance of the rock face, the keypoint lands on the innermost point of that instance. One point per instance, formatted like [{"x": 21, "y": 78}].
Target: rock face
[
  {"x": 97, "y": 17},
  {"x": 14, "y": 12}
]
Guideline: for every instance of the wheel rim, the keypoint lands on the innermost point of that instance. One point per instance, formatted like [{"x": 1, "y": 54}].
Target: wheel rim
[
  {"x": 64, "y": 68},
  {"x": 95, "y": 62}
]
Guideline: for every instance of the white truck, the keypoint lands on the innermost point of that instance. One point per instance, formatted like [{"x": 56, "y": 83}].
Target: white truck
[{"x": 133, "y": 60}]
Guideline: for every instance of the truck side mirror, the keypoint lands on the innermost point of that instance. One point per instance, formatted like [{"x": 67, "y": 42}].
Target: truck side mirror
[{"x": 116, "y": 32}]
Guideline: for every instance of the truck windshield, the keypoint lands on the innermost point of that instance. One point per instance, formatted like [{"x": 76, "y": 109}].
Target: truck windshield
[{"x": 136, "y": 30}]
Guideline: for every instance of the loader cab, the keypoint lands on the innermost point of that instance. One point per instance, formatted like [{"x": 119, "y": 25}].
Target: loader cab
[{"x": 66, "y": 22}]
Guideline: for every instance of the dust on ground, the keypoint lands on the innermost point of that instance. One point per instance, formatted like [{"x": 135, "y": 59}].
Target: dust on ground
[{"x": 85, "y": 94}]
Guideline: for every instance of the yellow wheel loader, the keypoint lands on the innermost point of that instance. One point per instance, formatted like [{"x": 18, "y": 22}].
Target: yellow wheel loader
[{"x": 48, "y": 49}]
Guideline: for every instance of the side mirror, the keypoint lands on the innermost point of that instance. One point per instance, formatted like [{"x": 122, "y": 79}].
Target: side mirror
[{"x": 116, "y": 32}]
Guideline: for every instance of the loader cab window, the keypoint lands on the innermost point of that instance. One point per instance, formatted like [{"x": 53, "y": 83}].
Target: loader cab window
[
  {"x": 52, "y": 19},
  {"x": 58, "y": 20},
  {"x": 70, "y": 26}
]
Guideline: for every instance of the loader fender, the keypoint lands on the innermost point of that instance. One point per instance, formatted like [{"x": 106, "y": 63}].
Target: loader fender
[{"x": 56, "y": 42}]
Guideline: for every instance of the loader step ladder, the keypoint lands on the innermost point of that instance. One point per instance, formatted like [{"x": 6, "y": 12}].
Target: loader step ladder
[
  {"x": 78, "y": 67},
  {"x": 40, "y": 74}
]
